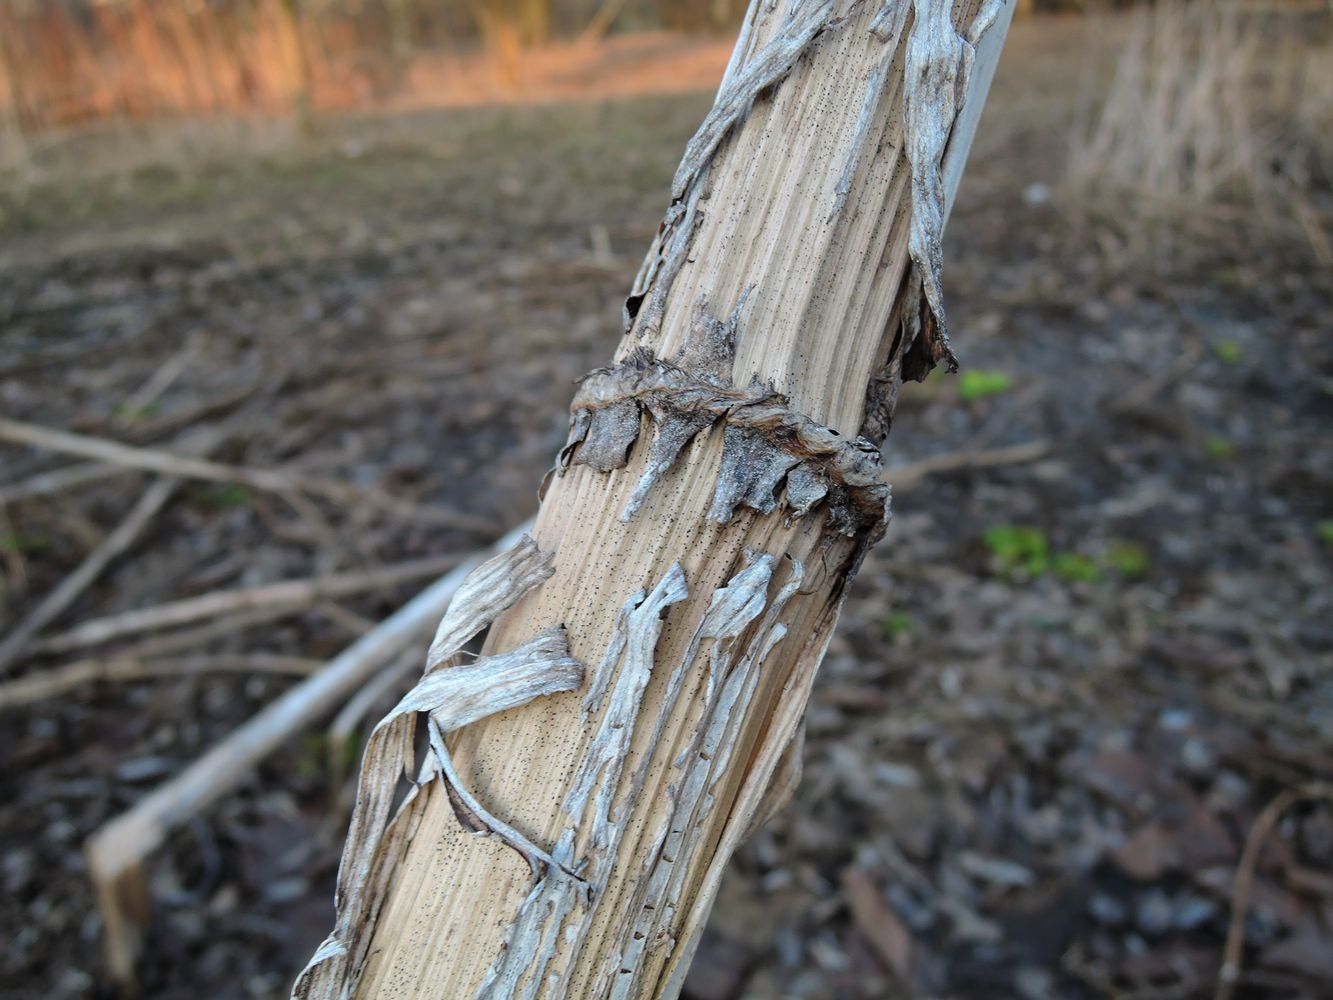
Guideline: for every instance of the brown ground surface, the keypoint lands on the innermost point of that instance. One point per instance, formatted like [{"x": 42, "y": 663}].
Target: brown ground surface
[{"x": 1062, "y": 691}]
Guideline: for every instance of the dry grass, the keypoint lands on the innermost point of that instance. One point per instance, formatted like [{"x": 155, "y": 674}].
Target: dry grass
[
  {"x": 1218, "y": 115},
  {"x": 93, "y": 60},
  {"x": 122, "y": 155},
  {"x": 137, "y": 59}
]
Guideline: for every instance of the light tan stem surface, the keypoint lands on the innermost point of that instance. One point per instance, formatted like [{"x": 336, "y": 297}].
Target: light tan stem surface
[{"x": 711, "y": 490}]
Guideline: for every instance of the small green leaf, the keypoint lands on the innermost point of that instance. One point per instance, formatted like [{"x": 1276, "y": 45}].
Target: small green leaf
[
  {"x": 133, "y": 414},
  {"x": 228, "y": 496},
  {"x": 1228, "y": 352},
  {"x": 1325, "y": 531},
  {"x": 312, "y": 757},
  {"x": 1220, "y": 447},
  {"x": 898, "y": 623},
  {"x": 1129, "y": 559},
  {"x": 976, "y": 384},
  {"x": 349, "y": 754},
  {"x": 1071, "y": 567},
  {"x": 1019, "y": 549},
  {"x": 19, "y": 542}
]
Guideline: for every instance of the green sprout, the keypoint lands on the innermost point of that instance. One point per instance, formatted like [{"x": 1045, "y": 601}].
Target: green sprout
[
  {"x": 898, "y": 623},
  {"x": 128, "y": 414},
  {"x": 229, "y": 496},
  {"x": 1129, "y": 559},
  {"x": 1019, "y": 549},
  {"x": 310, "y": 759},
  {"x": 976, "y": 384},
  {"x": 1221, "y": 448},
  {"x": 1071, "y": 567},
  {"x": 23, "y": 543},
  {"x": 1228, "y": 352}
]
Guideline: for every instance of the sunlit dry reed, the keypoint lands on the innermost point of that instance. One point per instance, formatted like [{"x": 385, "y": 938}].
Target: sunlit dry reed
[
  {"x": 1217, "y": 112},
  {"x": 142, "y": 58}
]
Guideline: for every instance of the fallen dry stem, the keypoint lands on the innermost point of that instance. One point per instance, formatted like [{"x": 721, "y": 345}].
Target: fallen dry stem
[
  {"x": 294, "y": 595},
  {"x": 161, "y": 379},
  {"x": 910, "y": 475},
  {"x": 1229, "y": 974},
  {"x": 58, "y": 481},
  {"x": 186, "y": 467},
  {"x": 199, "y": 636},
  {"x": 123, "y": 670},
  {"x": 69, "y": 589}
]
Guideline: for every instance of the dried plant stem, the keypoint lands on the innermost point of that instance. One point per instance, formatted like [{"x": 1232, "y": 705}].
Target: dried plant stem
[
  {"x": 294, "y": 595},
  {"x": 161, "y": 379},
  {"x": 909, "y": 475},
  {"x": 199, "y": 636},
  {"x": 57, "y": 481},
  {"x": 187, "y": 467},
  {"x": 122, "y": 670},
  {"x": 51, "y": 606},
  {"x": 708, "y": 512},
  {"x": 1229, "y": 974}
]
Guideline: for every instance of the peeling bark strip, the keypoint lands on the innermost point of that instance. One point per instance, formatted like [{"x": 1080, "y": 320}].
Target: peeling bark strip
[
  {"x": 712, "y": 506},
  {"x": 939, "y": 71},
  {"x": 652, "y": 917},
  {"x": 555, "y": 917},
  {"x": 740, "y": 87},
  {"x": 449, "y": 698},
  {"x": 536, "y": 933},
  {"x": 764, "y": 444}
]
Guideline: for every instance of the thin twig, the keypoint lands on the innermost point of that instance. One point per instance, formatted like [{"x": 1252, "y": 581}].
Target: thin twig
[
  {"x": 345, "y": 618},
  {"x": 85, "y": 473},
  {"x": 1229, "y": 973},
  {"x": 1150, "y": 387},
  {"x": 186, "y": 467},
  {"x": 89, "y": 570},
  {"x": 71, "y": 676},
  {"x": 198, "y": 637},
  {"x": 161, "y": 380},
  {"x": 58, "y": 480},
  {"x": 152, "y": 428},
  {"x": 291, "y": 594},
  {"x": 911, "y": 474},
  {"x": 116, "y": 543}
]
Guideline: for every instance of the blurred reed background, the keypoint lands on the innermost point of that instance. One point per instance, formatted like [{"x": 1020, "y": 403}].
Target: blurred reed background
[{"x": 69, "y": 61}]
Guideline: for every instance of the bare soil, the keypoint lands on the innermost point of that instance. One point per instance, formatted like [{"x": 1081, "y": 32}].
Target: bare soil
[{"x": 1063, "y": 689}]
